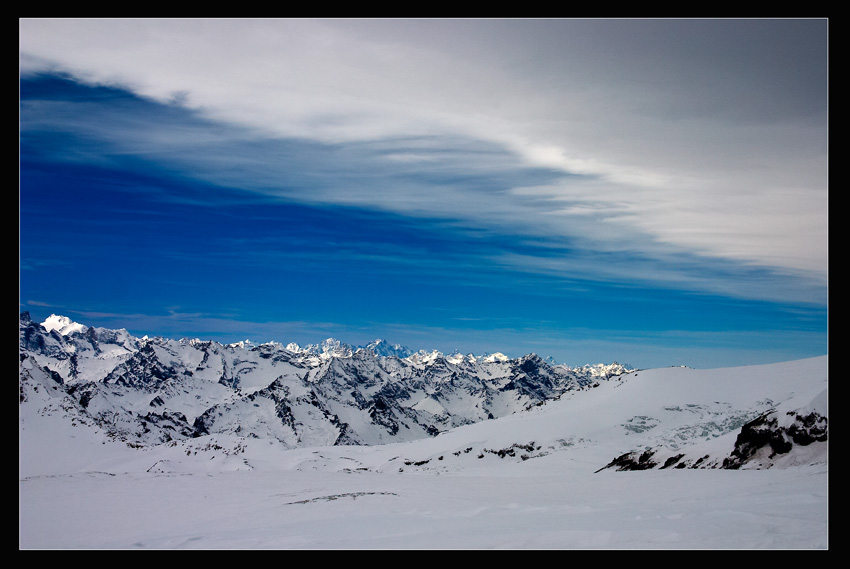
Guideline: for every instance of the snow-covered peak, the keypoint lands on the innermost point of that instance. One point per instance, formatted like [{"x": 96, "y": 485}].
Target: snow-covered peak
[
  {"x": 425, "y": 357},
  {"x": 457, "y": 357},
  {"x": 63, "y": 325},
  {"x": 383, "y": 348},
  {"x": 496, "y": 357},
  {"x": 332, "y": 347},
  {"x": 606, "y": 370}
]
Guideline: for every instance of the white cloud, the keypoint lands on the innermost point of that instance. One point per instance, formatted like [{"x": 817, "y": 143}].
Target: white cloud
[{"x": 697, "y": 138}]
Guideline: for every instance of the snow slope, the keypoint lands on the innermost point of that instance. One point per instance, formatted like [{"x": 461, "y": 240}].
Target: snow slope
[{"x": 509, "y": 509}]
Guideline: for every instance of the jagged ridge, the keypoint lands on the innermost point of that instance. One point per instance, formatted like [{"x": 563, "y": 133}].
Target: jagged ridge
[{"x": 153, "y": 390}]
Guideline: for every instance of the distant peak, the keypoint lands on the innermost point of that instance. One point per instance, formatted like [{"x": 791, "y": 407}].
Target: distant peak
[{"x": 63, "y": 325}]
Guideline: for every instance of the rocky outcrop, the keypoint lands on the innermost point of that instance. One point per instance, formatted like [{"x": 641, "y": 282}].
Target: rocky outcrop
[
  {"x": 758, "y": 444},
  {"x": 766, "y": 436}
]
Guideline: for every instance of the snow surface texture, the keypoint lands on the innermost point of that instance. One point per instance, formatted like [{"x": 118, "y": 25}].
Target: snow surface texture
[{"x": 723, "y": 458}]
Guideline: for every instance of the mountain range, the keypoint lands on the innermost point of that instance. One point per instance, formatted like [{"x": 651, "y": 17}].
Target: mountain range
[
  {"x": 147, "y": 391},
  {"x": 156, "y": 443}
]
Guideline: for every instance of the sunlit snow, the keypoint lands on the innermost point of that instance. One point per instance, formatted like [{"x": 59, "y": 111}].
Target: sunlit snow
[{"x": 532, "y": 479}]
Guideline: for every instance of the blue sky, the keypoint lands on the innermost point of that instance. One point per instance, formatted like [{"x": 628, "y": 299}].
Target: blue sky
[{"x": 651, "y": 192}]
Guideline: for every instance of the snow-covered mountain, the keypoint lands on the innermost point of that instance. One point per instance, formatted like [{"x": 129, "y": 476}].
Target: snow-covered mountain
[
  {"x": 153, "y": 390},
  {"x": 243, "y": 445},
  {"x": 146, "y": 392}
]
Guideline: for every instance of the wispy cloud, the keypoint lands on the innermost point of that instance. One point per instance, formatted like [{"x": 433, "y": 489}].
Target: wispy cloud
[
  {"x": 700, "y": 135},
  {"x": 567, "y": 157},
  {"x": 37, "y": 303}
]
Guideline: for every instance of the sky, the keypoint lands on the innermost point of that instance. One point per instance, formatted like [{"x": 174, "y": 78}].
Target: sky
[{"x": 652, "y": 192}]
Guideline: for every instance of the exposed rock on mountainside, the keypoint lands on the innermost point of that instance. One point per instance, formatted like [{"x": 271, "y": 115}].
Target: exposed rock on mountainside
[
  {"x": 760, "y": 443},
  {"x": 766, "y": 436}
]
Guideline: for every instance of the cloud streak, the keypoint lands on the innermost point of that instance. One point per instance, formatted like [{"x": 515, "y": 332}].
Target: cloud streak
[
  {"x": 551, "y": 157},
  {"x": 707, "y": 136}
]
